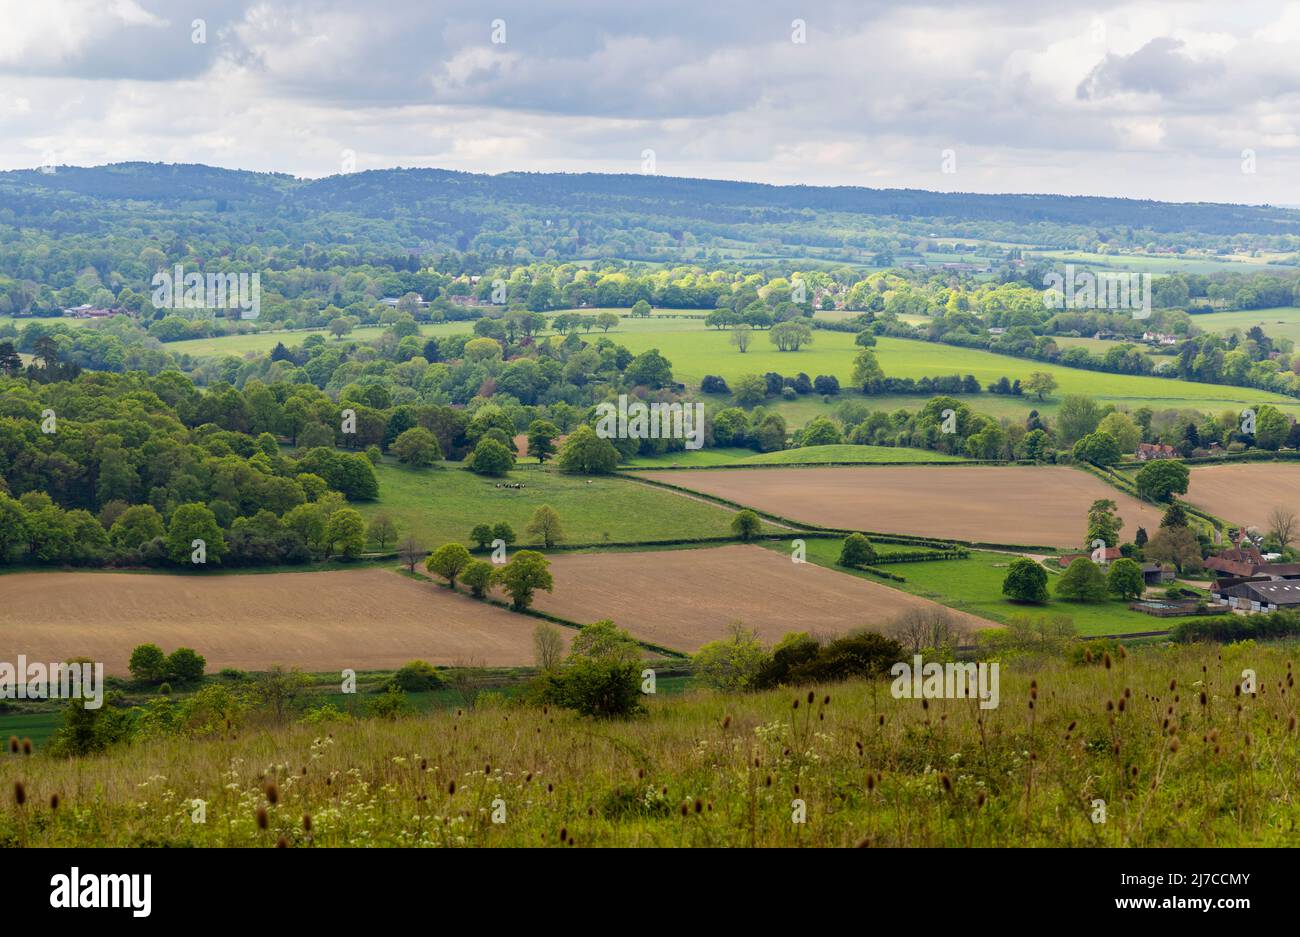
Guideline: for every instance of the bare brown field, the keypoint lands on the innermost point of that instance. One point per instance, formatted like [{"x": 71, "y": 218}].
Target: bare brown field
[
  {"x": 681, "y": 599},
  {"x": 1246, "y": 492},
  {"x": 369, "y": 619},
  {"x": 1012, "y": 504}
]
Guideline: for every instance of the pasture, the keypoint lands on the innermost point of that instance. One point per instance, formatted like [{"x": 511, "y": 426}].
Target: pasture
[
  {"x": 696, "y": 353},
  {"x": 1277, "y": 323},
  {"x": 682, "y": 599},
  {"x": 974, "y": 586},
  {"x": 1246, "y": 492},
  {"x": 441, "y": 504},
  {"x": 365, "y": 619},
  {"x": 1011, "y": 504}
]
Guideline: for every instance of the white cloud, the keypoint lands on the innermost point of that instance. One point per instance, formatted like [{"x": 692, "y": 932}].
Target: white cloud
[{"x": 1172, "y": 91}]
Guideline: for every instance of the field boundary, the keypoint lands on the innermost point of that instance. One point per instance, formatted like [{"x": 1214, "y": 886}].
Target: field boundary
[{"x": 837, "y": 464}]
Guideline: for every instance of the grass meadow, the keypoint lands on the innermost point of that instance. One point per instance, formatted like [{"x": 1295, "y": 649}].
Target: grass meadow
[
  {"x": 975, "y": 585},
  {"x": 1159, "y": 735},
  {"x": 441, "y": 504}
]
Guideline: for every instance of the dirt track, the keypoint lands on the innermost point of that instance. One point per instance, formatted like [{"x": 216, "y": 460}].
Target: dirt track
[
  {"x": 1246, "y": 492},
  {"x": 1027, "y": 505},
  {"x": 364, "y": 619},
  {"x": 682, "y": 599}
]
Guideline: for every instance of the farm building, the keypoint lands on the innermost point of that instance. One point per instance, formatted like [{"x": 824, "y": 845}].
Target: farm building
[
  {"x": 1155, "y": 574},
  {"x": 1259, "y": 595}
]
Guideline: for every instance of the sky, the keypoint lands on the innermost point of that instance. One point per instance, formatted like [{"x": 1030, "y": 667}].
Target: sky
[{"x": 1181, "y": 101}]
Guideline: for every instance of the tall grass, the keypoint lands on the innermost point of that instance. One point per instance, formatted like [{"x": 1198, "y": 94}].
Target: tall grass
[{"x": 1162, "y": 735}]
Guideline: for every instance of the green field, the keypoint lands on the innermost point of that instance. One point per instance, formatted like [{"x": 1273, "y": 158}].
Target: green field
[
  {"x": 1279, "y": 322},
  {"x": 1163, "y": 263},
  {"x": 696, "y": 353},
  {"x": 975, "y": 585},
  {"x": 810, "y": 454},
  {"x": 37, "y": 726},
  {"x": 438, "y": 505}
]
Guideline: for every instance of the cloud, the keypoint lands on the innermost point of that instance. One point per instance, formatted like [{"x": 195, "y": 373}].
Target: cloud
[
  {"x": 1159, "y": 67},
  {"x": 1149, "y": 98}
]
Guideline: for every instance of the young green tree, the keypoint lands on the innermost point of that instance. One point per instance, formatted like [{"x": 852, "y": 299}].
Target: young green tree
[
  {"x": 491, "y": 457},
  {"x": 1160, "y": 479},
  {"x": 482, "y": 536},
  {"x": 503, "y": 532},
  {"x": 524, "y": 575},
  {"x": 135, "y": 526},
  {"x": 585, "y": 453},
  {"x": 1103, "y": 523},
  {"x": 545, "y": 526},
  {"x": 541, "y": 439},
  {"x": 417, "y": 447},
  {"x": 857, "y": 551},
  {"x": 733, "y": 663},
  {"x": 448, "y": 561},
  {"x": 148, "y": 664},
  {"x": 604, "y": 640},
  {"x": 185, "y": 665},
  {"x": 345, "y": 533},
  {"x": 1082, "y": 582},
  {"x": 191, "y": 522},
  {"x": 478, "y": 576},
  {"x": 746, "y": 525},
  {"x": 1040, "y": 384},
  {"x": 866, "y": 368},
  {"x": 1099, "y": 448},
  {"x": 1124, "y": 580},
  {"x": 1026, "y": 581},
  {"x": 749, "y": 390},
  {"x": 1175, "y": 516}
]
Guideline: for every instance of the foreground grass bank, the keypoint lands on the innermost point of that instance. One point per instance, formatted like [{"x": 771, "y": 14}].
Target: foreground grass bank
[{"x": 1160, "y": 735}]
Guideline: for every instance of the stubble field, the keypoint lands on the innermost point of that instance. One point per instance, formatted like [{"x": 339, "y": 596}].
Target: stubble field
[
  {"x": 368, "y": 619},
  {"x": 682, "y": 599},
  {"x": 1027, "y": 505}
]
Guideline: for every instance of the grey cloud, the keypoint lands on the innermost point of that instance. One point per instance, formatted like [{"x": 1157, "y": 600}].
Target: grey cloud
[{"x": 1160, "y": 67}]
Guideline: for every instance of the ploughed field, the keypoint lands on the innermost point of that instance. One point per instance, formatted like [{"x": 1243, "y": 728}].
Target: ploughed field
[
  {"x": 368, "y": 619},
  {"x": 1246, "y": 492},
  {"x": 682, "y": 599},
  {"x": 1011, "y": 504}
]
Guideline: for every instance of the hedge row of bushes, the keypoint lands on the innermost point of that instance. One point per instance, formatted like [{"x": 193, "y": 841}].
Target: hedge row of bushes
[
  {"x": 922, "y": 557},
  {"x": 1228, "y": 628}
]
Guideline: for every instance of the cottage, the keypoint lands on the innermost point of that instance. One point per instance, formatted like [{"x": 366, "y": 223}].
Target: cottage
[
  {"x": 1111, "y": 555},
  {"x": 1246, "y": 560},
  {"x": 1147, "y": 451},
  {"x": 87, "y": 311}
]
